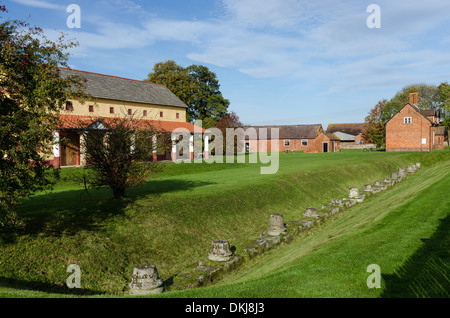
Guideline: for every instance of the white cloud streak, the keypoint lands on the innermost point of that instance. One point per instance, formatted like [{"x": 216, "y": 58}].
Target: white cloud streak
[
  {"x": 40, "y": 4},
  {"x": 323, "y": 41}
]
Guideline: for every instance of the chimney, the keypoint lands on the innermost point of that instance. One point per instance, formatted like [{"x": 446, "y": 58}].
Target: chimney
[{"x": 414, "y": 98}]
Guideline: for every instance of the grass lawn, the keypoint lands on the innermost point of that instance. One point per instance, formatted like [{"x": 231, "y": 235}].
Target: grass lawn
[{"x": 171, "y": 221}]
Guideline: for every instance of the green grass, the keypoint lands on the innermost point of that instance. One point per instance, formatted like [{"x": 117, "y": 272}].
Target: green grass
[
  {"x": 404, "y": 230},
  {"x": 171, "y": 221}
]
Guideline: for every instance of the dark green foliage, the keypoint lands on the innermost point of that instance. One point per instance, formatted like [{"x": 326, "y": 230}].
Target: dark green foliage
[
  {"x": 32, "y": 93},
  {"x": 196, "y": 86}
]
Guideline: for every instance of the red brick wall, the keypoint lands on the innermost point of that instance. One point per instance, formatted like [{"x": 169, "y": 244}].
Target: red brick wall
[
  {"x": 408, "y": 137},
  {"x": 314, "y": 145},
  {"x": 439, "y": 141}
]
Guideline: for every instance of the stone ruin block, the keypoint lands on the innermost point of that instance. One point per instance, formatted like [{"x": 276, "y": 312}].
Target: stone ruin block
[
  {"x": 402, "y": 173},
  {"x": 302, "y": 225},
  {"x": 354, "y": 195},
  {"x": 277, "y": 225},
  {"x": 418, "y": 166},
  {"x": 388, "y": 182},
  {"x": 311, "y": 213},
  {"x": 348, "y": 203},
  {"x": 336, "y": 202},
  {"x": 380, "y": 186},
  {"x": 411, "y": 169},
  {"x": 335, "y": 210},
  {"x": 145, "y": 281},
  {"x": 220, "y": 251},
  {"x": 368, "y": 190},
  {"x": 395, "y": 177}
]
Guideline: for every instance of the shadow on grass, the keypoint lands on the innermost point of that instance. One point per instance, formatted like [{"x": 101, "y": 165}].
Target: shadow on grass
[
  {"x": 32, "y": 286},
  {"x": 67, "y": 212},
  {"x": 426, "y": 274}
]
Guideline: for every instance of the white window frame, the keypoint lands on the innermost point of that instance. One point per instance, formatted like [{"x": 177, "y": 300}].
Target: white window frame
[
  {"x": 287, "y": 143},
  {"x": 407, "y": 120},
  {"x": 306, "y": 141}
]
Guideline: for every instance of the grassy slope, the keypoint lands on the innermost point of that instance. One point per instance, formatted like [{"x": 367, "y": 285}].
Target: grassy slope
[
  {"x": 404, "y": 231},
  {"x": 170, "y": 222}
]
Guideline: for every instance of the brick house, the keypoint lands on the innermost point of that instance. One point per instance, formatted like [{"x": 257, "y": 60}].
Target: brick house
[
  {"x": 306, "y": 138},
  {"x": 115, "y": 96},
  {"x": 414, "y": 129}
]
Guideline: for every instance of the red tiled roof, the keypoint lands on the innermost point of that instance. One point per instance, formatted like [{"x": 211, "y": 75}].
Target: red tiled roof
[{"x": 83, "y": 122}]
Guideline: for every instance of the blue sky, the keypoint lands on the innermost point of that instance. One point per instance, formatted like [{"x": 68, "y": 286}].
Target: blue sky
[{"x": 278, "y": 61}]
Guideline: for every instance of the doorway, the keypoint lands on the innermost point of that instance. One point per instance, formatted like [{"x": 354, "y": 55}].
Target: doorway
[
  {"x": 325, "y": 147},
  {"x": 70, "y": 149}
]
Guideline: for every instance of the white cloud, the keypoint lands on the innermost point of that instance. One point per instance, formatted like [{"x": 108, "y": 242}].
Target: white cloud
[
  {"x": 323, "y": 40},
  {"x": 273, "y": 13},
  {"x": 41, "y": 4}
]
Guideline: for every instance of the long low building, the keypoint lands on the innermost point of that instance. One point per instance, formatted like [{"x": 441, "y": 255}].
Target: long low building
[
  {"x": 306, "y": 138},
  {"x": 112, "y": 97}
]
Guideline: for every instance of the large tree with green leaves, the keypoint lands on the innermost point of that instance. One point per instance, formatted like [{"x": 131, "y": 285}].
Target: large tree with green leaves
[
  {"x": 31, "y": 95},
  {"x": 197, "y": 86},
  {"x": 428, "y": 98}
]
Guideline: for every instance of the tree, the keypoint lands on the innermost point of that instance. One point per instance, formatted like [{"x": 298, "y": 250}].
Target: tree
[
  {"x": 374, "y": 128},
  {"x": 428, "y": 98},
  {"x": 32, "y": 94},
  {"x": 207, "y": 102},
  {"x": 230, "y": 120},
  {"x": 120, "y": 156},
  {"x": 174, "y": 77},
  {"x": 444, "y": 98},
  {"x": 196, "y": 86}
]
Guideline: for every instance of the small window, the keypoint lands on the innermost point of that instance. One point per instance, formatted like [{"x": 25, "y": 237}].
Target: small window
[
  {"x": 304, "y": 143},
  {"x": 69, "y": 106},
  {"x": 161, "y": 114},
  {"x": 111, "y": 110},
  {"x": 407, "y": 120},
  {"x": 130, "y": 112},
  {"x": 91, "y": 108},
  {"x": 145, "y": 113},
  {"x": 287, "y": 143},
  {"x": 178, "y": 115}
]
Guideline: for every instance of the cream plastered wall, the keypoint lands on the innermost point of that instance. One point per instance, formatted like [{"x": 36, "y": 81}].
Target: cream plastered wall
[{"x": 102, "y": 108}]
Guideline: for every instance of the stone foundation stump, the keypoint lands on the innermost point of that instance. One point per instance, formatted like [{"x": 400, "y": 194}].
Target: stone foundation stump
[
  {"x": 220, "y": 251},
  {"x": 410, "y": 170},
  {"x": 145, "y": 281},
  {"x": 277, "y": 225}
]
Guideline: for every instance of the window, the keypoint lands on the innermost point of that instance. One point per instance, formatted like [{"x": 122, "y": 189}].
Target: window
[
  {"x": 145, "y": 113},
  {"x": 178, "y": 115},
  {"x": 407, "y": 120},
  {"x": 161, "y": 114},
  {"x": 91, "y": 108},
  {"x": 287, "y": 143},
  {"x": 69, "y": 106},
  {"x": 130, "y": 112},
  {"x": 111, "y": 110},
  {"x": 304, "y": 143}
]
